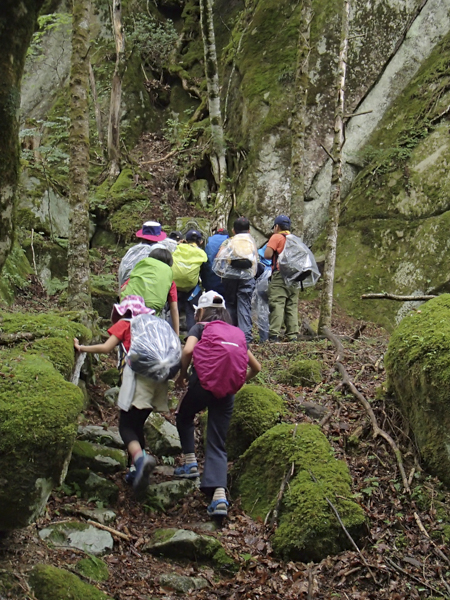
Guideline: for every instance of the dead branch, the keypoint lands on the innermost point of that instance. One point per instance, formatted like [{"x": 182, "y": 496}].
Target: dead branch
[
  {"x": 112, "y": 531},
  {"x": 398, "y": 568},
  {"x": 336, "y": 342},
  {"x": 377, "y": 431},
  {"x": 433, "y": 543},
  {"x": 9, "y": 338},
  {"x": 387, "y": 296},
  {"x": 284, "y": 483}
]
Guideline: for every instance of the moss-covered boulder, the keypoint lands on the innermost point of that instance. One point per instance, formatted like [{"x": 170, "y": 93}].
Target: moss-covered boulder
[
  {"x": 256, "y": 409},
  {"x": 14, "y": 274},
  {"x": 38, "y": 412},
  {"x": 51, "y": 583},
  {"x": 308, "y": 529},
  {"x": 418, "y": 368},
  {"x": 306, "y": 373},
  {"x": 93, "y": 568},
  {"x": 97, "y": 458},
  {"x": 91, "y": 486}
]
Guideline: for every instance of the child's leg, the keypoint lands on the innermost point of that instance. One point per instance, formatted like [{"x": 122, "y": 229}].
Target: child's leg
[
  {"x": 215, "y": 471},
  {"x": 131, "y": 429}
]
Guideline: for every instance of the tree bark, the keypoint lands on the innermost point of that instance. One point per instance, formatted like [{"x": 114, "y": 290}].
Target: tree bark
[
  {"x": 218, "y": 155},
  {"x": 326, "y": 299},
  {"x": 17, "y": 24},
  {"x": 78, "y": 252},
  {"x": 298, "y": 124},
  {"x": 116, "y": 91},
  {"x": 97, "y": 111},
  {"x": 386, "y": 296}
]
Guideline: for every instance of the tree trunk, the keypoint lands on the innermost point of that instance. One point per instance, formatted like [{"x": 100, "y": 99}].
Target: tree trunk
[
  {"x": 17, "y": 24},
  {"x": 116, "y": 91},
  {"x": 218, "y": 155},
  {"x": 78, "y": 252},
  {"x": 97, "y": 111},
  {"x": 298, "y": 124},
  {"x": 326, "y": 299}
]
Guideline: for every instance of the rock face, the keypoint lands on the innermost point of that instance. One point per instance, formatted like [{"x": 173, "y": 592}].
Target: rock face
[
  {"x": 308, "y": 529},
  {"x": 256, "y": 409},
  {"x": 418, "y": 367},
  {"x": 51, "y": 583},
  {"x": 38, "y": 412}
]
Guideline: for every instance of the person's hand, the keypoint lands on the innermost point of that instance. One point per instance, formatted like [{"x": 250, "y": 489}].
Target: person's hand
[
  {"x": 181, "y": 382},
  {"x": 76, "y": 344}
]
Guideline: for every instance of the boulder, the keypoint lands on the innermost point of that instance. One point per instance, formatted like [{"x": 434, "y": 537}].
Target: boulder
[
  {"x": 304, "y": 372},
  {"x": 106, "y": 436},
  {"x": 74, "y": 534},
  {"x": 111, "y": 377},
  {"x": 160, "y": 496},
  {"x": 256, "y": 409},
  {"x": 418, "y": 374},
  {"x": 51, "y": 583},
  {"x": 162, "y": 437},
  {"x": 94, "y": 568},
  {"x": 91, "y": 486},
  {"x": 97, "y": 458},
  {"x": 38, "y": 412},
  {"x": 181, "y": 544},
  {"x": 181, "y": 583},
  {"x": 308, "y": 529}
]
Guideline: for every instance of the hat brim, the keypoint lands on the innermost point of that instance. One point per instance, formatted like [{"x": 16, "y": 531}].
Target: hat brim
[{"x": 151, "y": 238}]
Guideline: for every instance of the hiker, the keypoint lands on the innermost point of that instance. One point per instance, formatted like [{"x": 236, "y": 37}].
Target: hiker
[
  {"x": 139, "y": 395},
  {"x": 221, "y": 366},
  {"x": 210, "y": 280},
  {"x": 151, "y": 275},
  {"x": 236, "y": 263},
  {"x": 283, "y": 300},
  {"x": 176, "y": 235},
  {"x": 187, "y": 261}
]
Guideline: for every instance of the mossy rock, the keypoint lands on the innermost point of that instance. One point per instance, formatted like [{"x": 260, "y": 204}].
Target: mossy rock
[
  {"x": 308, "y": 528},
  {"x": 93, "y": 568},
  {"x": 51, "y": 583},
  {"x": 90, "y": 485},
  {"x": 111, "y": 377},
  {"x": 418, "y": 373},
  {"x": 97, "y": 458},
  {"x": 306, "y": 373},
  {"x": 38, "y": 413},
  {"x": 14, "y": 274},
  {"x": 256, "y": 409}
]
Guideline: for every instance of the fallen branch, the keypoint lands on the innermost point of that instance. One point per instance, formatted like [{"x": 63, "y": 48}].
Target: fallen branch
[
  {"x": 438, "y": 551},
  {"x": 387, "y": 296},
  {"x": 377, "y": 431},
  {"x": 112, "y": 531},
  {"x": 276, "y": 510},
  {"x": 337, "y": 343},
  {"x": 421, "y": 581}
]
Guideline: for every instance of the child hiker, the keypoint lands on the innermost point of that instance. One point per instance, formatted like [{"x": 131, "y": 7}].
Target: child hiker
[
  {"x": 138, "y": 396},
  {"x": 222, "y": 364}
]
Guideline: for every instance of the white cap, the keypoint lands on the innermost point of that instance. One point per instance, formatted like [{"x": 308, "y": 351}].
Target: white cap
[{"x": 206, "y": 300}]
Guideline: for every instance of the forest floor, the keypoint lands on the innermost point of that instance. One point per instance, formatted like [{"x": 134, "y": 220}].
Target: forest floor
[{"x": 402, "y": 555}]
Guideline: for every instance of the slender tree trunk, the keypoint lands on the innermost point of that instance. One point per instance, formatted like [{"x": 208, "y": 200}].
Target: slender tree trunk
[
  {"x": 78, "y": 253},
  {"x": 17, "y": 24},
  {"x": 298, "y": 125},
  {"x": 116, "y": 91},
  {"x": 326, "y": 299},
  {"x": 218, "y": 155},
  {"x": 97, "y": 111}
]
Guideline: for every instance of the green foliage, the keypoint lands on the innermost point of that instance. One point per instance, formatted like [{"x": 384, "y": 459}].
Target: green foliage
[
  {"x": 46, "y": 24},
  {"x": 152, "y": 39}
]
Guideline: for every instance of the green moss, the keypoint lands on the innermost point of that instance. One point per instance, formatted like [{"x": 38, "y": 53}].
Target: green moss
[
  {"x": 308, "y": 529},
  {"x": 111, "y": 377},
  {"x": 93, "y": 568},
  {"x": 90, "y": 485},
  {"x": 306, "y": 373},
  {"x": 14, "y": 274},
  {"x": 256, "y": 409},
  {"x": 89, "y": 455},
  {"x": 418, "y": 367},
  {"x": 51, "y": 583}
]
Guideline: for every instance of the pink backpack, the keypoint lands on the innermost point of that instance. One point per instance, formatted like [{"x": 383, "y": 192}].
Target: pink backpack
[{"x": 220, "y": 358}]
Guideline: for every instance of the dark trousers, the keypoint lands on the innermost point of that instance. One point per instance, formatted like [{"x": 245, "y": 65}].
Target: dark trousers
[
  {"x": 220, "y": 410},
  {"x": 238, "y": 298},
  {"x": 131, "y": 425},
  {"x": 188, "y": 306}
]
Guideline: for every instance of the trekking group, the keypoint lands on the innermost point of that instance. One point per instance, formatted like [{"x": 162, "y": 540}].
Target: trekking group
[{"x": 216, "y": 288}]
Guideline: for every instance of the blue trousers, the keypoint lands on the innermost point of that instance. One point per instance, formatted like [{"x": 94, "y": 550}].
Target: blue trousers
[
  {"x": 238, "y": 298},
  {"x": 220, "y": 410}
]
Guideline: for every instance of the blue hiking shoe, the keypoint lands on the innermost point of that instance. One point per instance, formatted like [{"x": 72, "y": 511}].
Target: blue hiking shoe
[
  {"x": 189, "y": 471},
  {"x": 131, "y": 475},
  {"x": 218, "y": 508},
  {"x": 144, "y": 468}
]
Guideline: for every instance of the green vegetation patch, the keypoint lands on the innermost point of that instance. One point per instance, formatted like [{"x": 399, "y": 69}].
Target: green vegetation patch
[
  {"x": 308, "y": 529},
  {"x": 93, "y": 568},
  {"x": 14, "y": 274},
  {"x": 51, "y": 583},
  {"x": 306, "y": 373},
  {"x": 256, "y": 409},
  {"x": 418, "y": 368}
]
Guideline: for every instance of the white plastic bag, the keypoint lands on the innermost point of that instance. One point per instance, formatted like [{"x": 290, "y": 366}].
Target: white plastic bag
[
  {"x": 237, "y": 258},
  {"x": 297, "y": 264},
  {"x": 155, "y": 350},
  {"x": 131, "y": 259}
]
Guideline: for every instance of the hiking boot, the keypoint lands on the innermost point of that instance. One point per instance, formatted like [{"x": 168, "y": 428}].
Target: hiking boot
[
  {"x": 131, "y": 475},
  {"x": 218, "y": 508},
  {"x": 293, "y": 338},
  {"x": 189, "y": 471},
  {"x": 274, "y": 338},
  {"x": 144, "y": 468}
]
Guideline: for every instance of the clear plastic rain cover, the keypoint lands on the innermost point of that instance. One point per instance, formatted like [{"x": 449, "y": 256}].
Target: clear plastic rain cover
[
  {"x": 260, "y": 302},
  {"x": 237, "y": 258},
  {"x": 138, "y": 253},
  {"x": 155, "y": 350},
  {"x": 297, "y": 264}
]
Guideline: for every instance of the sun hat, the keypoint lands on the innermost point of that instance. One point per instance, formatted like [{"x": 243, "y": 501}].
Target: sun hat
[
  {"x": 206, "y": 300},
  {"x": 151, "y": 230},
  {"x": 133, "y": 304},
  {"x": 283, "y": 221}
]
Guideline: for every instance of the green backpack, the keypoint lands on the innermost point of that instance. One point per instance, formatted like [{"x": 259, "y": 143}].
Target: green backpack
[
  {"x": 187, "y": 260},
  {"x": 152, "y": 280}
]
